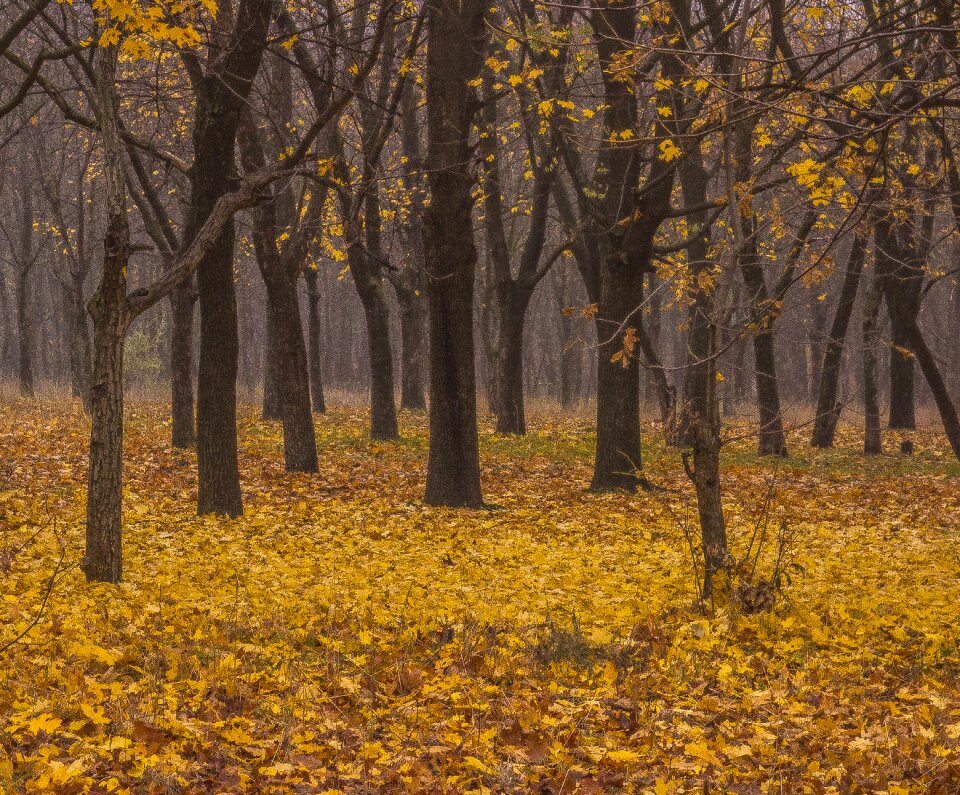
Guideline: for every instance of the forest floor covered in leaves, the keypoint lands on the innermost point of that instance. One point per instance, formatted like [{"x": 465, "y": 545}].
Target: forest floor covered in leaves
[{"x": 341, "y": 636}]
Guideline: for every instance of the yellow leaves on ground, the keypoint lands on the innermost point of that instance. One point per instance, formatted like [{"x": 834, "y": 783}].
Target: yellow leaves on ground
[{"x": 341, "y": 637}]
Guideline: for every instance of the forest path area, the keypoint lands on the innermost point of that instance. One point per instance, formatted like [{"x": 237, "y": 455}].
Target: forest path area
[{"x": 343, "y": 636}]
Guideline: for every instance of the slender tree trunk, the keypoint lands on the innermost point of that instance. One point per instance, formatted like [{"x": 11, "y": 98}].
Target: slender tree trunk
[
  {"x": 313, "y": 336},
  {"x": 872, "y": 444},
  {"x": 181, "y": 365},
  {"x": 704, "y": 439},
  {"x": 413, "y": 318},
  {"x": 617, "y": 464},
  {"x": 24, "y": 335},
  {"x": 772, "y": 438},
  {"x": 662, "y": 388},
  {"x": 828, "y": 407},
  {"x": 102, "y": 560}
]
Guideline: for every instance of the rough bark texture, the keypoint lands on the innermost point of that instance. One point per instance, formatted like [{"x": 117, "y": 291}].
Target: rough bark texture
[
  {"x": 617, "y": 463},
  {"x": 102, "y": 560},
  {"x": 828, "y": 407},
  {"x": 219, "y": 100},
  {"x": 455, "y": 46}
]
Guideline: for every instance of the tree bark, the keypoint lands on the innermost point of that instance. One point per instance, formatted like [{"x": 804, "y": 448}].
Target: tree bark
[
  {"x": 902, "y": 381},
  {"x": 219, "y": 100},
  {"x": 413, "y": 319},
  {"x": 507, "y": 381},
  {"x": 102, "y": 560},
  {"x": 24, "y": 335},
  {"x": 456, "y": 33},
  {"x": 272, "y": 408},
  {"x": 828, "y": 407},
  {"x": 313, "y": 336},
  {"x": 872, "y": 443},
  {"x": 103, "y": 557},
  {"x": 617, "y": 463},
  {"x": 383, "y": 409}
]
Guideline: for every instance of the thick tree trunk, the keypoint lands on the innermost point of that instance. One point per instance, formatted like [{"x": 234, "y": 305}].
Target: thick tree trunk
[
  {"x": 456, "y": 34},
  {"x": 617, "y": 463},
  {"x": 872, "y": 444},
  {"x": 313, "y": 337},
  {"x": 902, "y": 384},
  {"x": 413, "y": 318},
  {"x": 272, "y": 408},
  {"x": 383, "y": 408},
  {"x": 828, "y": 407},
  {"x": 299, "y": 439},
  {"x": 510, "y": 309},
  {"x": 453, "y": 466},
  {"x": 217, "y": 468},
  {"x": 25, "y": 336},
  {"x": 219, "y": 102},
  {"x": 181, "y": 365}
]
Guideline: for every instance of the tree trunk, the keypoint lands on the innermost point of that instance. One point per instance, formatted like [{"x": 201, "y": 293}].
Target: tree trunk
[
  {"x": 456, "y": 34},
  {"x": 383, "y": 408},
  {"x": 772, "y": 438},
  {"x": 872, "y": 444},
  {"x": 704, "y": 439},
  {"x": 181, "y": 365},
  {"x": 902, "y": 385},
  {"x": 413, "y": 318},
  {"x": 217, "y": 469},
  {"x": 313, "y": 336},
  {"x": 102, "y": 560},
  {"x": 299, "y": 439},
  {"x": 510, "y": 308},
  {"x": 828, "y": 407},
  {"x": 272, "y": 408},
  {"x": 24, "y": 335},
  {"x": 617, "y": 463}
]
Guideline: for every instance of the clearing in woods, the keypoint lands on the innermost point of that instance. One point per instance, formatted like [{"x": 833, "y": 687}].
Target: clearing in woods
[{"x": 341, "y": 636}]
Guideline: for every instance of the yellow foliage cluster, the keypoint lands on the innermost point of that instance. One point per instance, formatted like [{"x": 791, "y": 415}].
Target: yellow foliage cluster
[{"x": 342, "y": 637}]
